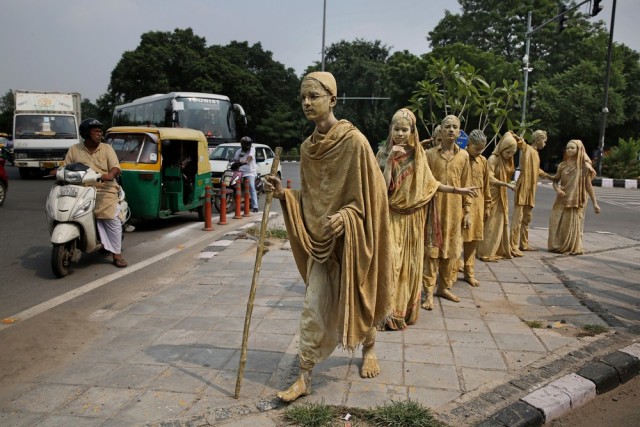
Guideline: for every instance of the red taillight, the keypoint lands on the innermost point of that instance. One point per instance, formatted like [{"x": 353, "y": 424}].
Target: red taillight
[{"x": 145, "y": 176}]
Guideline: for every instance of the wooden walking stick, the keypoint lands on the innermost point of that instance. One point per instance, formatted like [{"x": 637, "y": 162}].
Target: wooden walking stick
[{"x": 256, "y": 271}]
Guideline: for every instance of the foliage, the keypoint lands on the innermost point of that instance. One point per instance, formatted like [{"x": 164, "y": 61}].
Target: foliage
[
  {"x": 567, "y": 69},
  {"x": 88, "y": 109},
  {"x": 534, "y": 324},
  {"x": 459, "y": 89},
  {"x": 181, "y": 61},
  {"x": 359, "y": 69},
  {"x": 7, "y": 107},
  {"x": 623, "y": 161}
]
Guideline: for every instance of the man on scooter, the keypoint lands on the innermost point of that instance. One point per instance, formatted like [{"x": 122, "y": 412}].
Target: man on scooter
[
  {"x": 249, "y": 168},
  {"x": 103, "y": 159}
]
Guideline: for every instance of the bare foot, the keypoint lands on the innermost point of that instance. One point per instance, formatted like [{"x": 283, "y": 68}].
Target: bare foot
[
  {"x": 446, "y": 294},
  {"x": 428, "y": 301},
  {"x": 530, "y": 249},
  {"x": 490, "y": 259},
  {"x": 370, "y": 367},
  {"x": 472, "y": 281},
  {"x": 301, "y": 387}
]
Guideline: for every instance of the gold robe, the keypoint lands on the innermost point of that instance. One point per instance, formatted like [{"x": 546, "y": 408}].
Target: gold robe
[
  {"x": 496, "y": 243},
  {"x": 480, "y": 179},
  {"x": 566, "y": 223},
  {"x": 339, "y": 173},
  {"x": 411, "y": 188}
]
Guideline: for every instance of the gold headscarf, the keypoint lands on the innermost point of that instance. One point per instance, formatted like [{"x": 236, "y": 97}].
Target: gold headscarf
[{"x": 412, "y": 183}]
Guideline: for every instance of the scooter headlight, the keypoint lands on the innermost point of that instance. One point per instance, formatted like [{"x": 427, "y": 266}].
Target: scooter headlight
[
  {"x": 72, "y": 177},
  {"x": 86, "y": 206}
]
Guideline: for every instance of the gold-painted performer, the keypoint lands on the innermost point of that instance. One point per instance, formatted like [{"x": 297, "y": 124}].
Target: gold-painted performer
[
  {"x": 338, "y": 228},
  {"x": 496, "y": 243},
  {"x": 480, "y": 206},
  {"x": 411, "y": 186},
  {"x": 572, "y": 183},
  {"x": 526, "y": 185},
  {"x": 449, "y": 165}
]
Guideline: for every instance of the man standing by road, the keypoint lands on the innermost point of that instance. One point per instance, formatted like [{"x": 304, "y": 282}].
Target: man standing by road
[
  {"x": 246, "y": 155},
  {"x": 526, "y": 185},
  {"x": 449, "y": 165},
  {"x": 337, "y": 228},
  {"x": 103, "y": 159}
]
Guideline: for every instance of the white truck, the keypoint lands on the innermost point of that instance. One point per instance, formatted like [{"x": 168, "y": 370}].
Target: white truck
[{"x": 45, "y": 125}]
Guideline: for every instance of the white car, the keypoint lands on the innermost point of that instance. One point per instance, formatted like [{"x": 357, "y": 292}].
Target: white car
[{"x": 219, "y": 158}]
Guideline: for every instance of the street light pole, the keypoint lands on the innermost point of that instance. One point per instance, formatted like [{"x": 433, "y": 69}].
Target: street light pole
[
  {"x": 605, "y": 100},
  {"x": 324, "y": 23},
  {"x": 526, "y": 69}
]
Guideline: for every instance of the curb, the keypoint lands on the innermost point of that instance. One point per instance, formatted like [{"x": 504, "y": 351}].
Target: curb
[
  {"x": 618, "y": 183},
  {"x": 570, "y": 391}
]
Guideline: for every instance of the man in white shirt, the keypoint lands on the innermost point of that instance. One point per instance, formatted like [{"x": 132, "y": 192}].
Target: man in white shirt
[{"x": 246, "y": 155}]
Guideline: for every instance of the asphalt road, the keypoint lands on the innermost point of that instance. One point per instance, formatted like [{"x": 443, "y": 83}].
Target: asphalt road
[{"x": 25, "y": 273}]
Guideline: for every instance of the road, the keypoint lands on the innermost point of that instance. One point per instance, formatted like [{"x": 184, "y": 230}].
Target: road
[{"x": 25, "y": 271}]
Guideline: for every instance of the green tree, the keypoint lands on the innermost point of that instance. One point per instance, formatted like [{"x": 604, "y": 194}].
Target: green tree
[
  {"x": 89, "y": 109},
  {"x": 181, "y": 61},
  {"x": 359, "y": 69},
  {"x": 7, "y": 107},
  {"x": 567, "y": 68}
]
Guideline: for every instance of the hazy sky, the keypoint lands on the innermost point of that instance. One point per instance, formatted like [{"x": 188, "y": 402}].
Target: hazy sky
[{"x": 73, "y": 45}]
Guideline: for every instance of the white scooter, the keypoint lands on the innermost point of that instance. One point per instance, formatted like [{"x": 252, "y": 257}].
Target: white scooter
[{"x": 72, "y": 224}]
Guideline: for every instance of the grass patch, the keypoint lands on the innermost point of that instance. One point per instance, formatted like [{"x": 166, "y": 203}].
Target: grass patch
[
  {"x": 593, "y": 330},
  {"x": 534, "y": 324},
  {"x": 311, "y": 415},
  {"x": 396, "y": 414},
  {"x": 406, "y": 413},
  {"x": 272, "y": 233}
]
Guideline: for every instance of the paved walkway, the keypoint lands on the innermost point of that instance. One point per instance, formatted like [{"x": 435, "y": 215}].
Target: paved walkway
[{"x": 174, "y": 356}]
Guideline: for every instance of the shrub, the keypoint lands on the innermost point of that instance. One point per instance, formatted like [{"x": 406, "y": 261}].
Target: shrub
[{"x": 622, "y": 162}]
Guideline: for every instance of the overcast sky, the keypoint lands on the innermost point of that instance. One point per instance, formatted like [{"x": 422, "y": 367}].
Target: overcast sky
[{"x": 73, "y": 45}]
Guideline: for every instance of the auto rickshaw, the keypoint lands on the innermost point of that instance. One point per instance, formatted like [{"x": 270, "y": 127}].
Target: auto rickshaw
[{"x": 164, "y": 170}]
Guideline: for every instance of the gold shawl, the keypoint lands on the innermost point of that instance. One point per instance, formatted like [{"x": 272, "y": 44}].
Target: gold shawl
[
  {"x": 412, "y": 184},
  {"x": 574, "y": 181},
  {"x": 503, "y": 170},
  {"x": 527, "y": 182},
  {"x": 339, "y": 173}
]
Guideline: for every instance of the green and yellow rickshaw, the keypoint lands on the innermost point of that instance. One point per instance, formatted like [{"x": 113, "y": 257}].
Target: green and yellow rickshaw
[{"x": 164, "y": 170}]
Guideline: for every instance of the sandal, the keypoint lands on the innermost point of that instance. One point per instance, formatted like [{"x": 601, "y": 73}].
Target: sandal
[{"x": 120, "y": 262}]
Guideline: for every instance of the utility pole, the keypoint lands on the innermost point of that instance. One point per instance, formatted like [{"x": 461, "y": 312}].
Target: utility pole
[{"x": 605, "y": 100}]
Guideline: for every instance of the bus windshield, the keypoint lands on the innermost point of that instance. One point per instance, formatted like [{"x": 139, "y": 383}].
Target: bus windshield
[{"x": 211, "y": 116}]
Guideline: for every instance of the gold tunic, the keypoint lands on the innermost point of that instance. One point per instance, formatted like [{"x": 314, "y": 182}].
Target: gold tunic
[
  {"x": 454, "y": 172},
  {"x": 480, "y": 179}
]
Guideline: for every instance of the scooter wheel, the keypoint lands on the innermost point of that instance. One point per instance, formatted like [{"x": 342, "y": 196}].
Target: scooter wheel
[{"x": 61, "y": 259}]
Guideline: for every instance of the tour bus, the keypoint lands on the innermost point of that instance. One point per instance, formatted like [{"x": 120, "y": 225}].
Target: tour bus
[{"x": 214, "y": 115}]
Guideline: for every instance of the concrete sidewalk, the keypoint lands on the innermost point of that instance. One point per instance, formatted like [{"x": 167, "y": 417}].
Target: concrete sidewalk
[{"x": 172, "y": 359}]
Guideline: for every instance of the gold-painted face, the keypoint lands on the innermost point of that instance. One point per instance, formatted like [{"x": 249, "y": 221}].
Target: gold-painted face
[
  {"x": 571, "y": 149},
  {"x": 540, "y": 142},
  {"x": 316, "y": 102},
  {"x": 400, "y": 131},
  {"x": 509, "y": 152},
  {"x": 475, "y": 150},
  {"x": 450, "y": 130}
]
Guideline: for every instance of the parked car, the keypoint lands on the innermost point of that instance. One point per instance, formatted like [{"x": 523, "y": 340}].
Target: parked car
[
  {"x": 219, "y": 158},
  {"x": 4, "y": 179}
]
